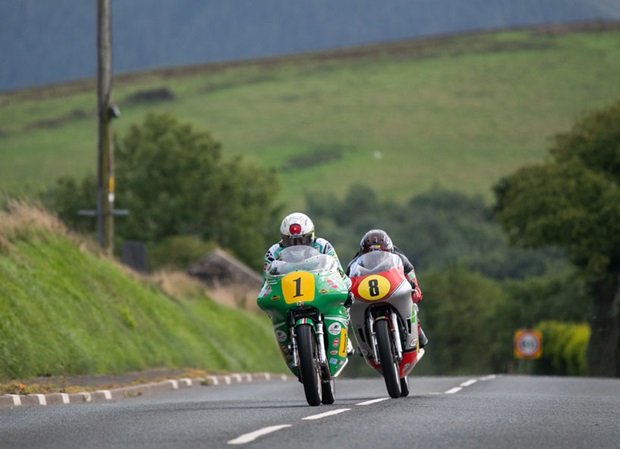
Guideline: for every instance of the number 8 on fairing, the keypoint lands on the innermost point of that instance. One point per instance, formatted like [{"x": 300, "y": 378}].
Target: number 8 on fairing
[{"x": 374, "y": 288}]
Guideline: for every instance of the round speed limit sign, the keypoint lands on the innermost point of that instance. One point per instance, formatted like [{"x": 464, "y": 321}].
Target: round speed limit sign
[{"x": 528, "y": 344}]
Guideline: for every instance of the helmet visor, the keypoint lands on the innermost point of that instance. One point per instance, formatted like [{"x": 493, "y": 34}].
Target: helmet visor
[
  {"x": 375, "y": 247},
  {"x": 293, "y": 240}
]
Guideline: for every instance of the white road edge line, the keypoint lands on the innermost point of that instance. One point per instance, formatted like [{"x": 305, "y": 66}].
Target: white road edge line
[
  {"x": 469, "y": 382},
  {"x": 326, "y": 414},
  {"x": 372, "y": 401},
  {"x": 249, "y": 437},
  {"x": 453, "y": 390}
]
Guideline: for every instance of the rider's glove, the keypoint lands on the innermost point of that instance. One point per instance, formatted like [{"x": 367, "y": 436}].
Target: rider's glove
[
  {"x": 416, "y": 293},
  {"x": 349, "y": 300}
]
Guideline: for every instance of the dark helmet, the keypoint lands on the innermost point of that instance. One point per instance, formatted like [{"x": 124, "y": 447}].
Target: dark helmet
[{"x": 376, "y": 240}]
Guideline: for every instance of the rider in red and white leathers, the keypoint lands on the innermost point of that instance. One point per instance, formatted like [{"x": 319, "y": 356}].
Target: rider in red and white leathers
[{"x": 379, "y": 240}]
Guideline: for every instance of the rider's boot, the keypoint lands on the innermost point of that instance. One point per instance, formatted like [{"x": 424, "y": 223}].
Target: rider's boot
[
  {"x": 347, "y": 305},
  {"x": 422, "y": 336},
  {"x": 350, "y": 349}
]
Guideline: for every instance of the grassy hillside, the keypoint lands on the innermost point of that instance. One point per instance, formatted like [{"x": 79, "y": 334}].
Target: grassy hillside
[
  {"x": 66, "y": 310},
  {"x": 457, "y": 112}
]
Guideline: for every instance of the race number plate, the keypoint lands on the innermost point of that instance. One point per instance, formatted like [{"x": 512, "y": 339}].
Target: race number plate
[
  {"x": 298, "y": 287},
  {"x": 374, "y": 288}
]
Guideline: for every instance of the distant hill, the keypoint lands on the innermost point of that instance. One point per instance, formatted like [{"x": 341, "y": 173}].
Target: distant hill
[{"x": 47, "y": 42}]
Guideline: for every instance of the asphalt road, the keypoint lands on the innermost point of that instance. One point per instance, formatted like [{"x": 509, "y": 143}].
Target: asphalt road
[{"x": 441, "y": 412}]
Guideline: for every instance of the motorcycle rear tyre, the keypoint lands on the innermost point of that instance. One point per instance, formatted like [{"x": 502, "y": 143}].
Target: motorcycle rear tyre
[
  {"x": 389, "y": 368},
  {"x": 309, "y": 368}
]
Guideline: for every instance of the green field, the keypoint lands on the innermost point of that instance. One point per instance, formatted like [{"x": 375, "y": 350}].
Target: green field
[{"x": 456, "y": 112}]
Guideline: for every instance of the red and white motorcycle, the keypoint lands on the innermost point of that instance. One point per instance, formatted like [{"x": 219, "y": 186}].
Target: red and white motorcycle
[{"x": 384, "y": 319}]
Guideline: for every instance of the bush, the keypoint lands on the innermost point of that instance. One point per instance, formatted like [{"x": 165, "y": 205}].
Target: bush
[
  {"x": 564, "y": 349},
  {"x": 459, "y": 317}
]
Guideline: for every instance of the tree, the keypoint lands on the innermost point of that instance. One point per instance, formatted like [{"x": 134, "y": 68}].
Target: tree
[
  {"x": 69, "y": 196},
  {"x": 461, "y": 322},
  {"x": 572, "y": 201},
  {"x": 434, "y": 229},
  {"x": 175, "y": 182}
]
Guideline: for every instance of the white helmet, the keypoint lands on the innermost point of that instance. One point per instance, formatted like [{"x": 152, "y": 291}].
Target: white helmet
[{"x": 297, "y": 229}]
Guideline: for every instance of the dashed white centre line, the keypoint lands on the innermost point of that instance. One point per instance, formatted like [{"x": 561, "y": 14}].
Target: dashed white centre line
[
  {"x": 467, "y": 383},
  {"x": 372, "y": 401},
  {"x": 249, "y": 437},
  {"x": 330, "y": 413}
]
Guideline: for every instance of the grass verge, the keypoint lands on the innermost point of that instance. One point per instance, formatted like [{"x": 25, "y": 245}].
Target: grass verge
[{"x": 66, "y": 310}]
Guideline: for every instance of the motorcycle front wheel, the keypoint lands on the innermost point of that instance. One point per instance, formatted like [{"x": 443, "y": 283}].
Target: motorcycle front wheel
[
  {"x": 389, "y": 368},
  {"x": 309, "y": 368}
]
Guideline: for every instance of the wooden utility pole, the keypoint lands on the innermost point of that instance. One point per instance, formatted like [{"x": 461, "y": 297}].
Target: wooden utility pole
[{"x": 105, "y": 185}]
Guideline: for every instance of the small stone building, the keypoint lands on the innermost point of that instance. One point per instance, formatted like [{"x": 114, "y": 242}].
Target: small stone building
[{"x": 228, "y": 280}]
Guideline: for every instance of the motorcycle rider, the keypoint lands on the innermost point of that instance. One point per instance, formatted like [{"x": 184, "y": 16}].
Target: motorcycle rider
[
  {"x": 297, "y": 229},
  {"x": 379, "y": 240}
]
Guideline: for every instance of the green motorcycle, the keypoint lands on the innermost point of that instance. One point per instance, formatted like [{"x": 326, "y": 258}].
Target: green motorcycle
[{"x": 304, "y": 294}]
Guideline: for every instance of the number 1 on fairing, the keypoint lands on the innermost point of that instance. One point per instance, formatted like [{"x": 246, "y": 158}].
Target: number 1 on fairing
[{"x": 298, "y": 287}]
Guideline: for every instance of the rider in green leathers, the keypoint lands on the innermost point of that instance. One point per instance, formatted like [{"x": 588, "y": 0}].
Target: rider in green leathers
[{"x": 297, "y": 229}]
